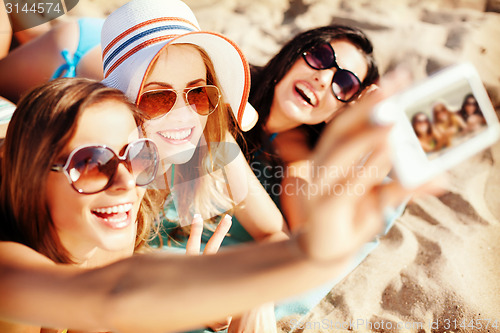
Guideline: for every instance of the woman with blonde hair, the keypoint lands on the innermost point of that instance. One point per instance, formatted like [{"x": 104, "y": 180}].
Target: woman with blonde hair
[
  {"x": 429, "y": 140},
  {"x": 193, "y": 87},
  {"x": 447, "y": 124}
]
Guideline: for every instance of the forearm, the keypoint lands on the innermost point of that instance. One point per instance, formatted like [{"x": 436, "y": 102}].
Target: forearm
[
  {"x": 157, "y": 294},
  {"x": 50, "y": 297}
]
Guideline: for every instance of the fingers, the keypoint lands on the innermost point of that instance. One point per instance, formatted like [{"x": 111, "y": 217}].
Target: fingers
[
  {"x": 352, "y": 120},
  {"x": 193, "y": 245},
  {"x": 377, "y": 206},
  {"x": 220, "y": 232},
  {"x": 260, "y": 319},
  {"x": 376, "y": 167},
  {"x": 393, "y": 194},
  {"x": 194, "y": 241},
  {"x": 220, "y": 325},
  {"x": 357, "y": 116}
]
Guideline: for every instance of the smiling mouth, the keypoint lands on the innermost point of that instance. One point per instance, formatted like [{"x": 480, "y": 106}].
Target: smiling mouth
[
  {"x": 115, "y": 217},
  {"x": 306, "y": 94},
  {"x": 177, "y": 135}
]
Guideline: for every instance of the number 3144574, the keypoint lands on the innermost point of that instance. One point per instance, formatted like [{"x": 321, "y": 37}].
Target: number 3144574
[{"x": 35, "y": 8}]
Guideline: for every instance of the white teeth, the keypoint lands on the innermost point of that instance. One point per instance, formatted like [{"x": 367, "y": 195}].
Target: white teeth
[
  {"x": 116, "y": 220},
  {"x": 176, "y": 135},
  {"x": 114, "y": 210},
  {"x": 307, "y": 93}
]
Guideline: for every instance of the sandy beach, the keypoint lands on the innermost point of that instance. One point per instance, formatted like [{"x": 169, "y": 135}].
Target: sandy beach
[
  {"x": 435, "y": 271},
  {"x": 438, "y": 269}
]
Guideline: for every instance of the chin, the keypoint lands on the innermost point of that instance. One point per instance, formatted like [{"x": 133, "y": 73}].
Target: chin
[
  {"x": 180, "y": 156},
  {"x": 296, "y": 112},
  {"x": 300, "y": 118},
  {"x": 172, "y": 153},
  {"x": 124, "y": 242}
]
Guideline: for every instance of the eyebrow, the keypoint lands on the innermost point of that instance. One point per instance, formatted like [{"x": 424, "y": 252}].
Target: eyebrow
[{"x": 167, "y": 85}]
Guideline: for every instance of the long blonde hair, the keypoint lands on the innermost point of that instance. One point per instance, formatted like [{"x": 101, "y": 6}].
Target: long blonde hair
[{"x": 210, "y": 198}]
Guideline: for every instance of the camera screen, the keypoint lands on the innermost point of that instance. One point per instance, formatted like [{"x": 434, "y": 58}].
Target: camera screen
[{"x": 444, "y": 120}]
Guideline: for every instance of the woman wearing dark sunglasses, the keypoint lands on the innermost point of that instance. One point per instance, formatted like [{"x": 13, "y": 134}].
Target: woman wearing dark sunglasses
[
  {"x": 471, "y": 113},
  {"x": 305, "y": 85},
  {"x": 314, "y": 75},
  {"x": 72, "y": 171},
  {"x": 80, "y": 188},
  {"x": 185, "y": 81}
]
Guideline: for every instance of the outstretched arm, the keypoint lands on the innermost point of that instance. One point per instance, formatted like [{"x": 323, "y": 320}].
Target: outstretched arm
[
  {"x": 151, "y": 293},
  {"x": 160, "y": 293}
]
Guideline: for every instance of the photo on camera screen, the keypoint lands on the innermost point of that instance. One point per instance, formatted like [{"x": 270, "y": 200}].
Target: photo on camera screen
[
  {"x": 438, "y": 123},
  {"x": 443, "y": 121}
]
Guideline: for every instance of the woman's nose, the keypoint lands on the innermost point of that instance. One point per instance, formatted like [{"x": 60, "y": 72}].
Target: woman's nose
[
  {"x": 324, "y": 77},
  {"x": 124, "y": 179},
  {"x": 181, "y": 110}
]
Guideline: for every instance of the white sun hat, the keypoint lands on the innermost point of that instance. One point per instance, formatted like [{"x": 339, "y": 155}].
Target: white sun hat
[{"x": 134, "y": 35}]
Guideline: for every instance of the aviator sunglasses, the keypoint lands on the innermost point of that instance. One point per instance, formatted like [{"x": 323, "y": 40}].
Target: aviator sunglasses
[
  {"x": 203, "y": 100},
  {"x": 345, "y": 84},
  {"x": 92, "y": 169}
]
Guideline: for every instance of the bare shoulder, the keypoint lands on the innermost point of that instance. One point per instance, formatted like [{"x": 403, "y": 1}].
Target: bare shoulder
[
  {"x": 14, "y": 254},
  {"x": 15, "y": 327},
  {"x": 17, "y": 265}
]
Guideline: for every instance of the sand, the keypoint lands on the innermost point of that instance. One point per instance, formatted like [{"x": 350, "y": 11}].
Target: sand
[
  {"x": 437, "y": 270},
  {"x": 438, "y": 267}
]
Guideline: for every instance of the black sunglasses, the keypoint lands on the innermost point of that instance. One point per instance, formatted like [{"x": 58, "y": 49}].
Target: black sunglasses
[
  {"x": 91, "y": 169},
  {"x": 345, "y": 84}
]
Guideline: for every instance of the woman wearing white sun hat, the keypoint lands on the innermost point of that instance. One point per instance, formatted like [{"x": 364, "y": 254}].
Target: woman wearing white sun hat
[
  {"x": 193, "y": 86},
  {"x": 154, "y": 51}
]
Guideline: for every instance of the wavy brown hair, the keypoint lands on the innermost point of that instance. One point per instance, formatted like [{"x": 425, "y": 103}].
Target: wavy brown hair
[{"x": 43, "y": 124}]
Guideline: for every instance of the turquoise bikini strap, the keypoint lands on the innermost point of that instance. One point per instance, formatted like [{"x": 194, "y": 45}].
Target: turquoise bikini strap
[
  {"x": 68, "y": 69},
  {"x": 172, "y": 174}
]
